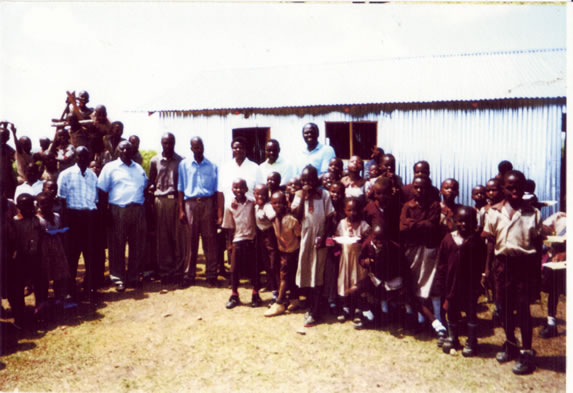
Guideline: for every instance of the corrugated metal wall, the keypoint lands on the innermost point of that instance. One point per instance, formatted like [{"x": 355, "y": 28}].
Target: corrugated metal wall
[{"x": 466, "y": 144}]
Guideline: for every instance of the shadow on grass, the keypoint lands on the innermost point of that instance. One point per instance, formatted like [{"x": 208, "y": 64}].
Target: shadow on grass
[{"x": 552, "y": 363}]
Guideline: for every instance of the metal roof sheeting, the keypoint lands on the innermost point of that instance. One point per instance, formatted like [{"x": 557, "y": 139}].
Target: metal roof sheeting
[{"x": 467, "y": 77}]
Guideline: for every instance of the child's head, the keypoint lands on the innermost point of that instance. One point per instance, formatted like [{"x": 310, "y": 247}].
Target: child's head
[
  {"x": 50, "y": 162},
  {"x": 465, "y": 220},
  {"x": 478, "y": 195},
  {"x": 529, "y": 186},
  {"x": 25, "y": 203},
  {"x": 377, "y": 154},
  {"x": 293, "y": 186},
  {"x": 336, "y": 192},
  {"x": 450, "y": 190},
  {"x": 51, "y": 188},
  {"x": 355, "y": 165},
  {"x": 326, "y": 180},
  {"x": 388, "y": 165},
  {"x": 374, "y": 171},
  {"x": 513, "y": 186},
  {"x": 240, "y": 189},
  {"x": 335, "y": 166},
  {"x": 134, "y": 140},
  {"x": 422, "y": 168},
  {"x": 382, "y": 191},
  {"x": 25, "y": 144},
  {"x": 309, "y": 177},
  {"x": 116, "y": 129},
  {"x": 45, "y": 202},
  {"x": 352, "y": 209},
  {"x": 100, "y": 113},
  {"x": 279, "y": 203},
  {"x": 504, "y": 166},
  {"x": 45, "y": 143},
  {"x": 274, "y": 181},
  {"x": 493, "y": 191},
  {"x": 421, "y": 186},
  {"x": 379, "y": 235},
  {"x": 261, "y": 192},
  {"x": 62, "y": 137},
  {"x": 95, "y": 166},
  {"x": 4, "y": 136},
  {"x": 32, "y": 173}
]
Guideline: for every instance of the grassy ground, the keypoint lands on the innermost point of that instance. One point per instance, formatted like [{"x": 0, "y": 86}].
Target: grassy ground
[{"x": 185, "y": 340}]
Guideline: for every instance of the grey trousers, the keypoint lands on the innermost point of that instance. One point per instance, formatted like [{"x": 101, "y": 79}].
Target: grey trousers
[
  {"x": 127, "y": 226},
  {"x": 172, "y": 238},
  {"x": 201, "y": 216}
]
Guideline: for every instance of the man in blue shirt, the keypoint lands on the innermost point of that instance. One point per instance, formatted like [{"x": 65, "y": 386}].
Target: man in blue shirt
[
  {"x": 122, "y": 183},
  {"x": 201, "y": 208},
  {"x": 315, "y": 154},
  {"x": 77, "y": 186}
]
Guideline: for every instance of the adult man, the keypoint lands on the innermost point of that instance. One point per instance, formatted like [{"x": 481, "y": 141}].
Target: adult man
[
  {"x": 239, "y": 168},
  {"x": 33, "y": 184},
  {"x": 201, "y": 208},
  {"x": 274, "y": 163},
  {"x": 170, "y": 232},
  {"x": 77, "y": 187},
  {"x": 122, "y": 183},
  {"x": 315, "y": 154}
]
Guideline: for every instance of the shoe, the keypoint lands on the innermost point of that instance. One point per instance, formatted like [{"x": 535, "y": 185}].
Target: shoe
[
  {"x": 363, "y": 323},
  {"x": 310, "y": 321},
  {"x": 276, "y": 309},
  {"x": 120, "y": 287},
  {"x": 232, "y": 302},
  {"x": 442, "y": 335},
  {"x": 508, "y": 352},
  {"x": 526, "y": 363},
  {"x": 332, "y": 308},
  {"x": 294, "y": 305},
  {"x": 548, "y": 331},
  {"x": 471, "y": 346},
  {"x": 256, "y": 300}
]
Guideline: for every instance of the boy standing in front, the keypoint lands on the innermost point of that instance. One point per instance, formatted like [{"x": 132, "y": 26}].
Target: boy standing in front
[{"x": 513, "y": 228}]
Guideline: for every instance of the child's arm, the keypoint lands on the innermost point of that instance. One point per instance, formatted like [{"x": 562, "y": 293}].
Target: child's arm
[{"x": 297, "y": 206}]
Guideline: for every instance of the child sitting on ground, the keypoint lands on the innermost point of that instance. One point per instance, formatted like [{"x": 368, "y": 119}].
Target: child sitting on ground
[
  {"x": 461, "y": 259},
  {"x": 287, "y": 230},
  {"x": 239, "y": 219},
  {"x": 266, "y": 242},
  {"x": 351, "y": 231}
]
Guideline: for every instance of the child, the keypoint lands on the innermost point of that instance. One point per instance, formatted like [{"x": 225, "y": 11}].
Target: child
[
  {"x": 514, "y": 229},
  {"x": 326, "y": 180},
  {"x": 354, "y": 182},
  {"x": 479, "y": 198},
  {"x": 449, "y": 190},
  {"x": 26, "y": 240},
  {"x": 421, "y": 168},
  {"x": 312, "y": 206},
  {"x": 387, "y": 276},
  {"x": 292, "y": 187},
  {"x": 287, "y": 231},
  {"x": 266, "y": 241},
  {"x": 336, "y": 167},
  {"x": 389, "y": 168},
  {"x": 503, "y": 167},
  {"x": 50, "y": 165},
  {"x": 274, "y": 180},
  {"x": 460, "y": 263},
  {"x": 419, "y": 232},
  {"x": 54, "y": 261},
  {"x": 333, "y": 255},
  {"x": 384, "y": 208},
  {"x": 350, "y": 272},
  {"x": 374, "y": 173},
  {"x": 239, "y": 218}
]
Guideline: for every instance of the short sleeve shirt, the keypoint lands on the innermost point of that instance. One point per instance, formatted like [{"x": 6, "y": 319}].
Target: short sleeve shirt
[
  {"x": 79, "y": 190},
  {"x": 242, "y": 220},
  {"x": 319, "y": 158},
  {"x": 124, "y": 183}
]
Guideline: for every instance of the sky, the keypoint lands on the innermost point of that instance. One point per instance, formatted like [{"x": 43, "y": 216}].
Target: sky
[{"x": 127, "y": 55}]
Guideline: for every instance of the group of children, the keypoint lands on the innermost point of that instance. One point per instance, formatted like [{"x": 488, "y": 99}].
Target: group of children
[{"x": 362, "y": 247}]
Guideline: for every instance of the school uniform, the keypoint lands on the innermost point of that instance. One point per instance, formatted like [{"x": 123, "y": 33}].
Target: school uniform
[
  {"x": 287, "y": 231},
  {"x": 266, "y": 244}
]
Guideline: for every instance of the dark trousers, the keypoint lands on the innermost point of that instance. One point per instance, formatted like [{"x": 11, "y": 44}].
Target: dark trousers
[
  {"x": 100, "y": 240},
  {"x": 201, "y": 217},
  {"x": 20, "y": 270},
  {"x": 268, "y": 253},
  {"x": 82, "y": 240},
  {"x": 243, "y": 255},
  {"x": 171, "y": 238},
  {"x": 127, "y": 227},
  {"x": 455, "y": 307}
]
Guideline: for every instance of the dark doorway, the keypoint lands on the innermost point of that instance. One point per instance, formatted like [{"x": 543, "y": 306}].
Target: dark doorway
[
  {"x": 352, "y": 138},
  {"x": 256, "y": 138}
]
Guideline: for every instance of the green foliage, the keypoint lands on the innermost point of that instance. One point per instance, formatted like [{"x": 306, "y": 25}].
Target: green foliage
[{"x": 147, "y": 155}]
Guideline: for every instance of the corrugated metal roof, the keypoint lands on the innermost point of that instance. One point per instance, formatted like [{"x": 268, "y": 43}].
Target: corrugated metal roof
[{"x": 466, "y": 77}]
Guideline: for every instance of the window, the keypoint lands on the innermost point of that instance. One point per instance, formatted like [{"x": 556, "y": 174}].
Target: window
[
  {"x": 352, "y": 138},
  {"x": 256, "y": 138}
]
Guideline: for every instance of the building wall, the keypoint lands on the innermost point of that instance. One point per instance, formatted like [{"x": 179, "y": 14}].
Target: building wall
[{"x": 466, "y": 144}]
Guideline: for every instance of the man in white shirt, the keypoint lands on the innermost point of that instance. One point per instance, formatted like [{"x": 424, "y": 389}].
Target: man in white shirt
[{"x": 275, "y": 163}]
